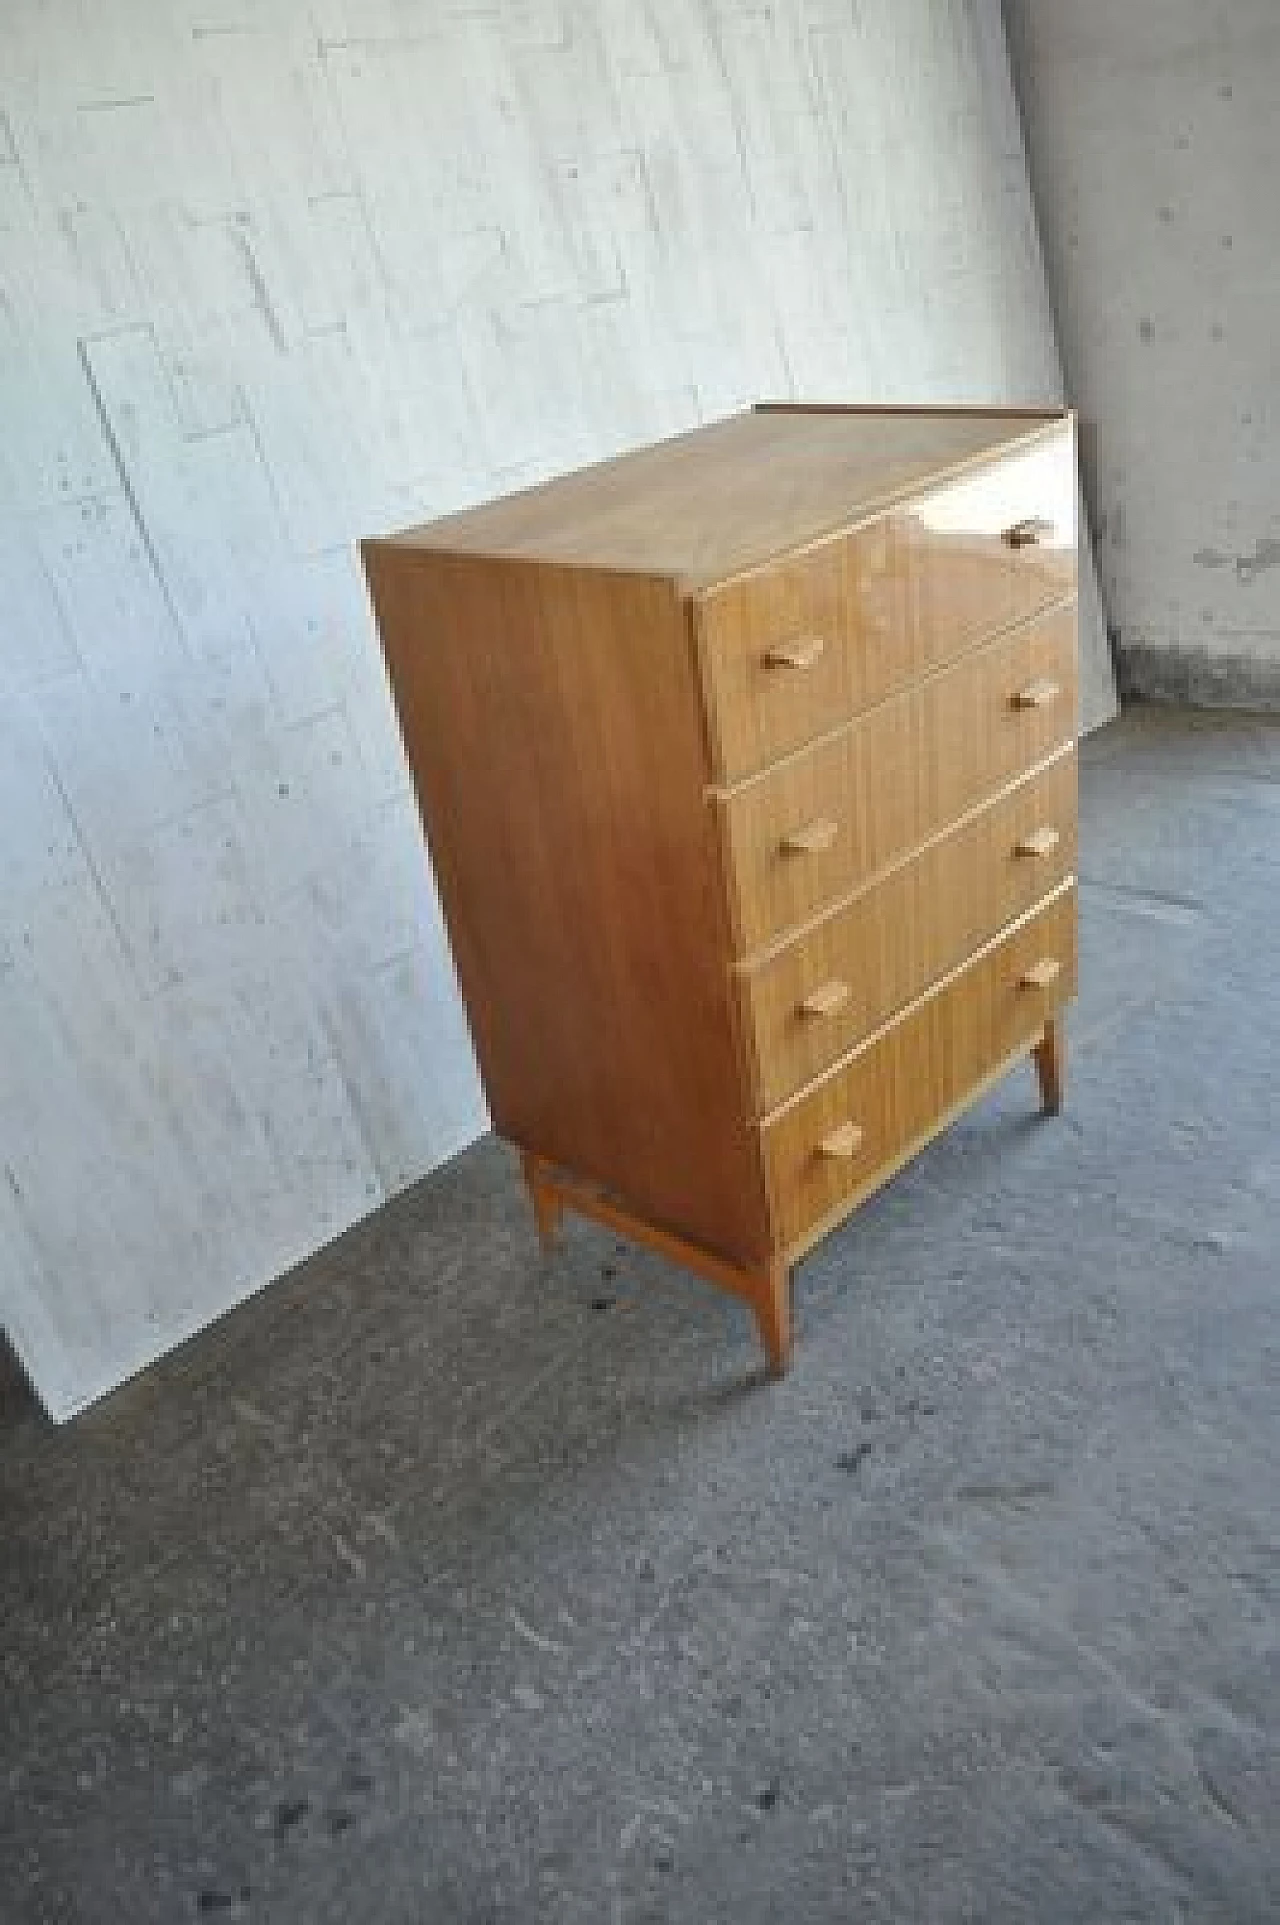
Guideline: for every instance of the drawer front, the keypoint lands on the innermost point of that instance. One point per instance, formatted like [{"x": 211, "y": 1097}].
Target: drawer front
[
  {"x": 815, "y": 999},
  {"x": 823, "y": 824},
  {"x": 835, "y": 1144},
  {"x": 791, "y": 652}
]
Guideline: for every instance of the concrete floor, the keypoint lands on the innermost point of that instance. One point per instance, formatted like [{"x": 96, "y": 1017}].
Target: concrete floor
[{"x": 443, "y": 1582}]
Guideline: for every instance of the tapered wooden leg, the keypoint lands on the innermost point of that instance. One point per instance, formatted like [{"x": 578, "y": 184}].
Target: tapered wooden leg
[
  {"x": 773, "y": 1314},
  {"x": 552, "y": 1191},
  {"x": 545, "y": 1198},
  {"x": 1050, "y": 1055}
]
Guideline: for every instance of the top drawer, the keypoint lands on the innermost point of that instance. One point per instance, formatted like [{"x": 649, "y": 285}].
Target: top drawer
[{"x": 796, "y": 648}]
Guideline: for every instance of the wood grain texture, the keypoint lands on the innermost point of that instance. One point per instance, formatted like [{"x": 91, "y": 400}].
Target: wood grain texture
[
  {"x": 895, "y": 777},
  {"x": 714, "y": 1014},
  {"x": 904, "y": 1084},
  {"x": 811, "y": 1001},
  {"x": 552, "y": 722},
  {"x": 735, "y": 494},
  {"x": 790, "y": 651}
]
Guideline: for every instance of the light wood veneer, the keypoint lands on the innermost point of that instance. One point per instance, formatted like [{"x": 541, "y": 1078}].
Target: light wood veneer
[
  {"x": 813, "y": 997},
  {"x": 896, "y": 1091},
  {"x": 814, "y": 827},
  {"x": 746, "y": 765}
]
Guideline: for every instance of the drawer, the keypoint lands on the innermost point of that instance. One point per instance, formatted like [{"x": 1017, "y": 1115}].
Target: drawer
[
  {"x": 813, "y": 1000},
  {"x": 845, "y": 1135},
  {"x": 817, "y": 827},
  {"x": 791, "y": 651}
]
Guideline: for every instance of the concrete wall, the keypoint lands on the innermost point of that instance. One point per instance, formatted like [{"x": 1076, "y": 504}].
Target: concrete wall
[
  {"x": 276, "y": 276},
  {"x": 1155, "y": 150}
]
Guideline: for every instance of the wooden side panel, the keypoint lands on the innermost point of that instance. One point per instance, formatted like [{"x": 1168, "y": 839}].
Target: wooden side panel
[
  {"x": 815, "y": 828},
  {"x": 843, "y": 1138},
  {"x": 552, "y": 723},
  {"x": 790, "y": 651},
  {"x": 815, "y": 999}
]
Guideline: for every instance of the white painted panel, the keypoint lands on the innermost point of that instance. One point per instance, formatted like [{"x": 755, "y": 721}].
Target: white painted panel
[
  {"x": 48, "y": 853},
  {"x": 35, "y": 645},
  {"x": 121, "y": 624}
]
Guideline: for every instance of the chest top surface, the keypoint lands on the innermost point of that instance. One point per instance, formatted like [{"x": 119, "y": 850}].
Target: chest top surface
[{"x": 725, "y": 498}]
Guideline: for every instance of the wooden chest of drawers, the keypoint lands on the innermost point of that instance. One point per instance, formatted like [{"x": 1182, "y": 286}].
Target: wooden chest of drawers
[{"x": 747, "y": 764}]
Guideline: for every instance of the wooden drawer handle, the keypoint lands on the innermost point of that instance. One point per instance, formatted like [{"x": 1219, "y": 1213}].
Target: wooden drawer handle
[
  {"x": 802, "y": 654},
  {"x": 812, "y": 839},
  {"x": 1042, "y": 975},
  {"x": 826, "y": 1000},
  {"x": 1037, "y": 695},
  {"x": 1029, "y": 533},
  {"x": 842, "y": 1144},
  {"x": 1041, "y": 842}
]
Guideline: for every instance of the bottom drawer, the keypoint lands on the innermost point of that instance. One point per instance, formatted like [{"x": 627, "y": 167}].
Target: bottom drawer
[{"x": 846, "y": 1134}]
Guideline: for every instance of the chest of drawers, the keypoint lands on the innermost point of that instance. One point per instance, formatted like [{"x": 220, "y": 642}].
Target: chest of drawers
[{"x": 747, "y": 766}]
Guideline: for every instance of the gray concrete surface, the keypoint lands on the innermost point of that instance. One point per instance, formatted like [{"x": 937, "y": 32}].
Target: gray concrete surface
[
  {"x": 447, "y": 1583},
  {"x": 1154, "y": 148},
  {"x": 276, "y": 276}
]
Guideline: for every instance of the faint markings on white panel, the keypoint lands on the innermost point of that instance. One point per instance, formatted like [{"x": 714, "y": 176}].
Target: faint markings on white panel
[
  {"x": 622, "y": 404},
  {"x": 197, "y": 291},
  {"x": 81, "y": 1137},
  {"x": 228, "y": 715},
  {"x": 564, "y": 87},
  {"x": 307, "y": 810},
  {"x": 47, "y": 854},
  {"x": 428, "y": 423},
  {"x": 110, "y": 292},
  {"x": 219, "y": 1131},
  {"x": 309, "y": 627},
  {"x": 51, "y": 447},
  {"x": 204, "y": 507},
  {"x": 376, "y": 731},
  {"x": 35, "y": 643},
  {"x": 523, "y": 370},
  {"x": 309, "y": 415},
  {"x": 123, "y": 761},
  {"x": 111, "y": 601},
  {"x": 788, "y": 160},
  {"x": 288, "y": 141},
  {"x": 280, "y": 1150},
  {"x": 384, "y": 92},
  {"x": 341, "y": 275},
  {"x": 370, "y": 902},
  {"x": 185, "y": 898},
  {"x": 122, "y": 137},
  {"x": 405, "y": 1052}
]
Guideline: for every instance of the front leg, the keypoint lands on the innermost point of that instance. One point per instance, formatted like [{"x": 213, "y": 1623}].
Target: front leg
[
  {"x": 548, "y": 1206},
  {"x": 1050, "y": 1058},
  {"x": 772, "y": 1305}
]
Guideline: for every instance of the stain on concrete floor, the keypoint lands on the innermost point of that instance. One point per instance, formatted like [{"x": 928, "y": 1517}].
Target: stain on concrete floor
[{"x": 444, "y": 1582}]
